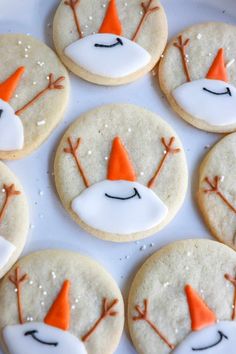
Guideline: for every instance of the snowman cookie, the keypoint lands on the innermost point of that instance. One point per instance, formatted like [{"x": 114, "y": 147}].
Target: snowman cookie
[
  {"x": 60, "y": 302},
  {"x": 198, "y": 76},
  {"x": 217, "y": 190},
  {"x": 14, "y": 219},
  {"x": 120, "y": 172},
  {"x": 33, "y": 94},
  {"x": 110, "y": 42},
  {"x": 182, "y": 300}
]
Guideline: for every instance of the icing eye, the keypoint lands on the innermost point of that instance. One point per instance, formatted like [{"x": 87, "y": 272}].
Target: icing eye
[
  {"x": 227, "y": 92},
  {"x": 222, "y": 336},
  {"x": 33, "y": 335},
  {"x": 118, "y": 42},
  {"x": 135, "y": 194},
  {"x": 1, "y": 112}
]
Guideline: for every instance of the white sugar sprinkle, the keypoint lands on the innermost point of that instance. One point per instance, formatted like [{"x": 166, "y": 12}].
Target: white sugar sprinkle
[
  {"x": 31, "y": 282},
  {"x": 104, "y": 5},
  {"x": 72, "y": 307},
  {"x": 89, "y": 152},
  {"x": 34, "y": 83},
  {"x": 32, "y": 226},
  {"x": 41, "y": 193},
  {"x": 16, "y": 96},
  {"x": 41, "y": 122},
  {"x": 19, "y": 42},
  {"x": 26, "y": 56},
  {"x": 141, "y": 173},
  {"x": 166, "y": 284},
  {"x": 40, "y": 286},
  {"x": 76, "y": 301},
  {"x": 231, "y": 62},
  {"x": 106, "y": 158},
  {"x": 42, "y": 303},
  {"x": 189, "y": 253},
  {"x": 199, "y": 36},
  {"x": 222, "y": 178},
  {"x": 129, "y": 130},
  {"x": 90, "y": 18},
  {"x": 15, "y": 290},
  {"x": 209, "y": 54},
  {"x": 45, "y": 293}
]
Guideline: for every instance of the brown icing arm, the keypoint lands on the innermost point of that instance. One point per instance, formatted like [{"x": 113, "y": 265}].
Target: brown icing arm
[
  {"x": 233, "y": 282},
  {"x": 108, "y": 311},
  {"x": 18, "y": 280},
  {"x": 182, "y": 48},
  {"x": 147, "y": 11},
  {"x": 73, "y": 149},
  {"x": 74, "y": 4},
  {"x": 10, "y": 193},
  {"x": 215, "y": 188},
  {"x": 143, "y": 315},
  {"x": 52, "y": 85},
  {"x": 168, "y": 150}
]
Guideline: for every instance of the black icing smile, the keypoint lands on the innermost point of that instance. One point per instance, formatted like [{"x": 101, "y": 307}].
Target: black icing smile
[
  {"x": 118, "y": 42},
  {"x": 227, "y": 92},
  {"x": 222, "y": 336},
  {"x": 32, "y": 334},
  {"x": 136, "y": 193}
]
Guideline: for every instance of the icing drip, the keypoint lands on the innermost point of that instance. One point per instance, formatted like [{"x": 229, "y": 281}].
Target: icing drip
[
  {"x": 143, "y": 315},
  {"x": 168, "y": 150},
  {"x": 74, "y": 5},
  {"x": 52, "y": 85},
  {"x": 18, "y": 280},
  {"x": 215, "y": 188},
  {"x": 147, "y": 11},
  {"x": 73, "y": 149},
  {"x": 182, "y": 47},
  {"x": 107, "y": 311}
]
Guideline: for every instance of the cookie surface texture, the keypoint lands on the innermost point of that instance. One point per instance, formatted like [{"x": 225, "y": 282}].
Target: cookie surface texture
[
  {"x": 14, "y": 219},
  {"x": 198, "y": 76},
  {"x": 34, "y": 89},
  {"x": 182, "y": 300},
  {"x": 120, "y": 172},
  {"x": 111, "y": 42},
  {"x": 217, "y": 190},
  {"x": 64, "y": 303}
]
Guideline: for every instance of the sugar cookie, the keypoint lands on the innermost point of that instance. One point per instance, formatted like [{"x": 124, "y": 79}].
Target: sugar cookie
[
  {"x": 198, "y": 76},
  {"x": 121, "y": 172},
  {"x": 14, "y": 219},
  {"x": 110, "y": 42},
  {"x": 34, "y": 90},
  {"x": 182, "y": 300},
  {"x": 217, "y": 190},
  {"x": 57, "y": 301}
]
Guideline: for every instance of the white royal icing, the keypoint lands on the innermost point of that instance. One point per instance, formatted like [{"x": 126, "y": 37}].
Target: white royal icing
[
  {"x": 223, "y": 333},
  {"x": 6, "y": 251},
  {"x": 119, "y": 216},
  {"x": 11, "y": 129},
  {"x": 218, "y": 110},
  {"x": 18, "y": 342},
  {"x": 115, "y": 62}
]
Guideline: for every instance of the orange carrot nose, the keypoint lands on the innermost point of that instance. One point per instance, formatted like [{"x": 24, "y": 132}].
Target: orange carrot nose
[
  {"x": 218, "y": 70},
  {"x": 59, "y": 314},
  {"x": 111, "y": 22},
  {"x": 119, "y": 166},
  {"x": 8, "y": 87},
  {"x": 201, "y": 315}
]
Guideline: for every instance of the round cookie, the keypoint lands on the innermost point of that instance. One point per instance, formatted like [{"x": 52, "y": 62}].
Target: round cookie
[
  {"x": 120, "y": 172},
  {"x": 34, "y": 89},
  {"x": 57, "y": 301},
  {"x": 217, "y": 190},
  {"x": 198, "y": 76},
  {"x": 182, "y": 300},
  {"x": 14, "y": 219},
  {"x": 110, "y": 42}
]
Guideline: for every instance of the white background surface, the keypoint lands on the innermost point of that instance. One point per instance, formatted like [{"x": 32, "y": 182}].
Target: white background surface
[{"x": 52, "y": 227}]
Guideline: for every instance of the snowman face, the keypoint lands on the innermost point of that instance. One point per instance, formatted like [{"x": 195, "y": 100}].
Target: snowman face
[
  {"x": 120, "y": 207},
  {"x": 39, "y": 338},
  {"x": 217, "y": 339},
  {"x": 11, "y": 129},
  {"x": 108, "y": 55},
  {"x": 6, "y": 251},
  {"x": 213, "y": 101}
]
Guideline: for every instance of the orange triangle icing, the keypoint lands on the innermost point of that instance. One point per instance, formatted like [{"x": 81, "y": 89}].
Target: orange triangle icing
[
  {"x": 120, "y": 166},
  {"x": 201, "y": 315},
  {"x": 59, "y": 314},
  {"x": 111, "y": 23},
  {"x": 218, "y": 70},
  {"x": 8, "y": 87}
]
